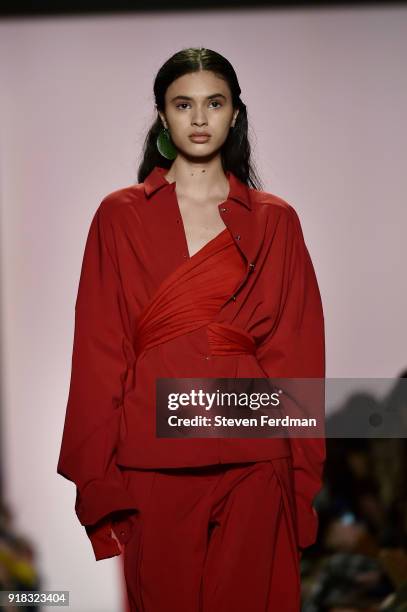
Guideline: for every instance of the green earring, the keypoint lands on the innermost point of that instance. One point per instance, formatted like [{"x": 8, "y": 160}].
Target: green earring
[{"x": 165, "y": 144}]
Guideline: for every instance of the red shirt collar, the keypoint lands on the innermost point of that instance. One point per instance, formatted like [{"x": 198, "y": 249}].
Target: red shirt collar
[{"x": 237, "y": 189}]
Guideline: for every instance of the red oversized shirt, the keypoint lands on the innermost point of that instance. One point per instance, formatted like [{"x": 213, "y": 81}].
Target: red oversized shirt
[{"x": 136, "y": 240}]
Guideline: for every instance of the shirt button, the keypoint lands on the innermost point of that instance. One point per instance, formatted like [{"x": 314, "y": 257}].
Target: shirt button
[
  {"x": 237, "y": 237},
  {"x": 251, "y": 267},
  {"x": 122, "y": 533},
  {"x": 185, "y": 256},
  {"x": 207, "y": 357},
  {"x": 234, "y": 298},
  {"x": 223, "y": 209}
]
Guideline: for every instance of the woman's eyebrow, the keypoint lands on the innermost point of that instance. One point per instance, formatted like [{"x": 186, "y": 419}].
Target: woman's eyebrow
[{"x": 216, "y": 95}]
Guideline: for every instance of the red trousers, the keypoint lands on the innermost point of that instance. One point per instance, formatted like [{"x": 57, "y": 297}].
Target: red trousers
[{"x": 213, "y": 539}]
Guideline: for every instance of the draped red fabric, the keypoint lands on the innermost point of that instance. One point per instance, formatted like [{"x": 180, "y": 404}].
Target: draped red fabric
[
  {"x": 225, "y": 339},
  {"x": 190, "y": 297}
]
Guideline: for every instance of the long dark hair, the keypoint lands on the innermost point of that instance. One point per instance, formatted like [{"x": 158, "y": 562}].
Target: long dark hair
[{"x": 236, "y": 150}]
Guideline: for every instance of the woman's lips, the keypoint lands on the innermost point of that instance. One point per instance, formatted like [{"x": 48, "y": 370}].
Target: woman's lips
[{"x": 199, "y": 138}]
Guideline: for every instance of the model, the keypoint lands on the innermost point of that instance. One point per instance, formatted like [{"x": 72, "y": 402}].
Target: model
[{"x": 193, "y": 272}]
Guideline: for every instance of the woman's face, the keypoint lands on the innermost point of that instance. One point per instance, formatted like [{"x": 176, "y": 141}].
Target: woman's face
[{"x": 198, "y": 102}]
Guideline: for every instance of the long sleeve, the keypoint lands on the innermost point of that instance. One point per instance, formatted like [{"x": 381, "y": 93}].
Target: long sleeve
[
  {"x": 101, "y": 357},
  {"x": 294, "y": 347}
]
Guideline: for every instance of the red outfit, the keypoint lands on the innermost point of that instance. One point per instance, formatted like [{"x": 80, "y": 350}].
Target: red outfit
[{"x": 246, "y": 305}]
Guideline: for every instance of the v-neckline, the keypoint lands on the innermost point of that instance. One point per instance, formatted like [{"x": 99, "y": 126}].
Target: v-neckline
[{"x": 189, "y": 256}]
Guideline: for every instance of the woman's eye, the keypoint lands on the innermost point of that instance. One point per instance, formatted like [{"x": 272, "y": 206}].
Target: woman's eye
[{"x": 186, "y": 103}]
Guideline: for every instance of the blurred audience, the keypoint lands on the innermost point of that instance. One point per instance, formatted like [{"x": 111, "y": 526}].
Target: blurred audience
[
  {"x": 18, "y": 571},
  {"x": 359, "y": 561}
]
